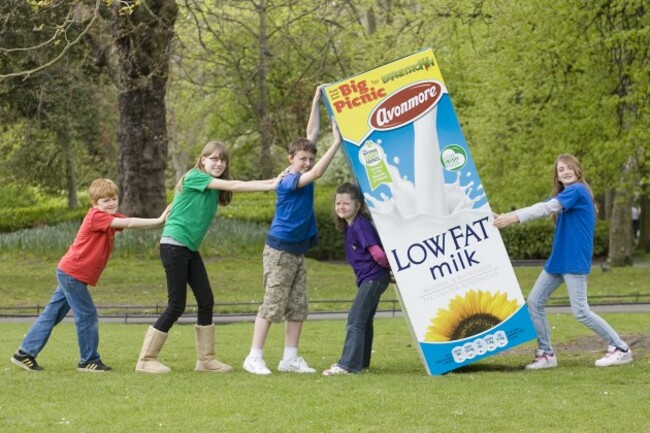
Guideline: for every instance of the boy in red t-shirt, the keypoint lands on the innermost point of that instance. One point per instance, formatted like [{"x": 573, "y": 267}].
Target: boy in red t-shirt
[{"x": 81, "y": 266}]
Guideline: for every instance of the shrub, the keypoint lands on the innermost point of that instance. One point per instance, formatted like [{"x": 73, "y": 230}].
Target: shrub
[
  {"x": 14, "y": 196},
  {"x": 533, "y": 241},
  {"x": 249, "y": 216},
  {"x": 12, "y": 219}
]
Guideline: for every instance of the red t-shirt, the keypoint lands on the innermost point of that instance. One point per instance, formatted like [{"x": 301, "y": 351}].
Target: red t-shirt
[{"x": 87, "y": 256}]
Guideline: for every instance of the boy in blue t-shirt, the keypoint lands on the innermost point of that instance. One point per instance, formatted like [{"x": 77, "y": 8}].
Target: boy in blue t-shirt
[{"x": 293, "y": 231}]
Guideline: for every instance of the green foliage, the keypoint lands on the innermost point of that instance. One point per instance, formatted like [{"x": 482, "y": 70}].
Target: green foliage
[
  {"x": 12, "y": 219},
  {"x": 533, "y": 241},
  {"x": 15, "y": 195}
]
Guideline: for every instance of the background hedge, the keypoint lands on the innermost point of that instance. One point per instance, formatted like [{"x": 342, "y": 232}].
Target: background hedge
[{"x": 530, "y": 241}]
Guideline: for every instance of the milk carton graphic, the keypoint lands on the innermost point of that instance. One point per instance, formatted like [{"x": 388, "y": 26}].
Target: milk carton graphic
[{"x": 454, "y": 278}]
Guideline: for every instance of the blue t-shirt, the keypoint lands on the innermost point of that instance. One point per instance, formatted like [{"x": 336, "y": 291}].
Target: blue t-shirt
[
  {"x": 573, "y": 242},
  {"x": 359, "y": 236},
  {"x": 293, "y": 228}
]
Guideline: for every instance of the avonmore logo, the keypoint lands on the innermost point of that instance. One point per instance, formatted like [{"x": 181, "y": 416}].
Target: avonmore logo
[{"x": 406, "y": 105}]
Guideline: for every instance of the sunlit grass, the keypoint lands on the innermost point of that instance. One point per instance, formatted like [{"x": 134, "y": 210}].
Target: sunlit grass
[{"x": 493, "y": 395}]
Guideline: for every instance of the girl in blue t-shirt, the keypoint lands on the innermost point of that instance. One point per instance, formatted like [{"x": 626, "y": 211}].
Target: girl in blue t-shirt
[
  {"x": 364, "y": 253},
  {"x": 572, "y": 208},
  {"x": 197, "y": 195}
]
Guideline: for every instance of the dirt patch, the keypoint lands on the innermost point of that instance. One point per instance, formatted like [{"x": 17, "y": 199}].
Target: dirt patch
[{"x": 640, "y": 344}]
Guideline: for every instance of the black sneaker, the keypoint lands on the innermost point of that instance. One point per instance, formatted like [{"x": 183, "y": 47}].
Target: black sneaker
[
  {"x": 93, "y": 367},
  {"x": 25, "y": 361}
]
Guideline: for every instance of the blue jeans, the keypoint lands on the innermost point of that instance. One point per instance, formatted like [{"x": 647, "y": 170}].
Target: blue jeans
[
  {"x": 357, "y": 348},
  {"x": 577, "y": 288},
  {"x": 69, "y": 294}
]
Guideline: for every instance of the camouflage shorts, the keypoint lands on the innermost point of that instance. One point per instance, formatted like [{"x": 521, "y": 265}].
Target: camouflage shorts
[{"x": 285, "y": 286}]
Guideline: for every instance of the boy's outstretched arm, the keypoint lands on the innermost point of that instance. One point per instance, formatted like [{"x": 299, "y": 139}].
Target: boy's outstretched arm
[
  {"x": 140, "y": 223},
  {"x": 319, "y": 168},
  {"x": 313, "y": 125}
]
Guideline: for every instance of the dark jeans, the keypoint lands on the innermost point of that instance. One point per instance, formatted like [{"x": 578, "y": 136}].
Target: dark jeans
[
  {"x": 357, "y": 348},
  {"x": 184, "y": 267}
]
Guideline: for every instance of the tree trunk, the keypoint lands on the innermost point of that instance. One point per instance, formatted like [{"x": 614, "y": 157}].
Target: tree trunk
[
  {"x": 609, "y": 203},
  {"x": 68, "y": 163},
  {"x": 644, "y": 225},
  {"x": 620, "y": 224},
  {"x": 266, "y": 138},
  {"x": 143, "y": 39}
]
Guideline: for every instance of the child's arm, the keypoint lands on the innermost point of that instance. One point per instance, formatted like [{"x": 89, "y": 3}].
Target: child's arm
[
  {"x": 378, "y": 255},
  {"x": 529, "y": 213},
  {"x": 319, "y": 168},
  {"x": 140, "y": 223},
  {"x": 246, "y": 186},
  {"x": 313, "y": 125}
]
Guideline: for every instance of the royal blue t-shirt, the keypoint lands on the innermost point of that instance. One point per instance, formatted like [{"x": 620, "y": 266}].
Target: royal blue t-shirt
[
  {"x": 573, "y": 242},
  {"x": 293, "y": 228},
  {"x": 359, "y": 236}
]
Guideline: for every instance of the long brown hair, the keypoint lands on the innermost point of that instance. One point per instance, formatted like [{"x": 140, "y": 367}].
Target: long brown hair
[
  {"x": 210, "y": 148},
  {"x": 355, "y": 194},
  {"x": 574, "y": 164}
]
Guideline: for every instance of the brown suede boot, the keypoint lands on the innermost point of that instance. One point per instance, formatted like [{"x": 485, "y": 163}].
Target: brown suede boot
[
  {"x": 148, "y": 360},
  {"x": 205, "y": 351}
]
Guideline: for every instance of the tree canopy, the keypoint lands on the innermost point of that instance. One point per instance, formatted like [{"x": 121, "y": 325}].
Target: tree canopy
[{"x": 529, "y": 80}]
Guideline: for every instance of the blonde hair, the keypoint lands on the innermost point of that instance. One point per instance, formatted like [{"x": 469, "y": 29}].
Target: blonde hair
[
  {"x": 102, "y": 188},
  {"x": 210, "y": 148}
]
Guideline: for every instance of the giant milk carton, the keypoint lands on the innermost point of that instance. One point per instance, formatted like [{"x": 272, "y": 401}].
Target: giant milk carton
[{"x": 405, "y": 147}]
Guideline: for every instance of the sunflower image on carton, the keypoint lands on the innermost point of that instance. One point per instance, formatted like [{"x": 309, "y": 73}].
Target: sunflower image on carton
[{"x": 405, "y": 147}]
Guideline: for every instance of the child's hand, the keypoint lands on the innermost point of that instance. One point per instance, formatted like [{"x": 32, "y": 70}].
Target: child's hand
[
  {"x": 319, "y": 91},
  {"x": 336, "y": 133},
  {"x": 165, "y": 213},
  {"x": 504, "y": 220},
  {"x": 279, "y": 177}
]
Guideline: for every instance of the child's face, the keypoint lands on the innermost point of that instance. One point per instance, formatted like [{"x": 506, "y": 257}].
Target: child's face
[
  {"x": 108, "y": 204},
  {"x": 214, "y": 164},
  {"x": 566, "y": 174},
  {"x": 301, "y": 162},
  {"x": 345, "y": 207}
]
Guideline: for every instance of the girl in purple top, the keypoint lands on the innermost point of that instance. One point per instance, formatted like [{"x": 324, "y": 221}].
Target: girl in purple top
[
  {"x": 368, "y": 260},
  {"x": 572, "y": 208}
]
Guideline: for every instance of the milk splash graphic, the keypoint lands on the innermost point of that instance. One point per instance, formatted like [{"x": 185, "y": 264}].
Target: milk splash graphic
[
  {"x": 424, "y": 198},
  {"x": 423, "y": 206}
]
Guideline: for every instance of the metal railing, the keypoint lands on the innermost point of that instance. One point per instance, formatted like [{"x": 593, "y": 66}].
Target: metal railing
[{"x": 316, "y": 307}]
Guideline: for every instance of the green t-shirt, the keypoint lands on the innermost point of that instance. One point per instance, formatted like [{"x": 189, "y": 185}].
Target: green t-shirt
[{"x": 193, "y": 210}]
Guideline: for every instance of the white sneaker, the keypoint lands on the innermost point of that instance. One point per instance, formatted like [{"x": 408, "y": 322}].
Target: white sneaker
[
  {"x": 295, "y": 365},
  {"x": 542, "y": 360},
  {"x": 614, "y": 356},
  {"x": 256, "y": 365},
  {"x": 335, "y": 369}
]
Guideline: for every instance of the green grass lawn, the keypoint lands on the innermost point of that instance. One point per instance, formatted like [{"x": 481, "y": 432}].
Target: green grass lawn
[{"x": 396, "y": 395}]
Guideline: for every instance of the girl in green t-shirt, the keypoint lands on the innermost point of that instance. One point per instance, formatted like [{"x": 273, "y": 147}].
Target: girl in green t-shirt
[{"x": 198, "y": 193}]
